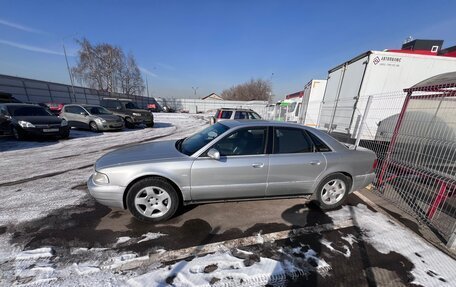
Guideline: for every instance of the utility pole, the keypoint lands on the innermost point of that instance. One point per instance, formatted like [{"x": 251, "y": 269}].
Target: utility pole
[
  {"x": 147, "y": 87},
  {"x": 194, "y": 90},
  {"x": 69, "y": 72}
]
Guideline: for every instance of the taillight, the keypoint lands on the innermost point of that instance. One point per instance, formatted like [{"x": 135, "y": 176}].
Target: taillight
[{"x": 374, "y": 166}]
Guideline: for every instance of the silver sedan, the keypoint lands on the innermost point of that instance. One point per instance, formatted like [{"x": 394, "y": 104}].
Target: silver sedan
[{"x": 231, "y": 160}]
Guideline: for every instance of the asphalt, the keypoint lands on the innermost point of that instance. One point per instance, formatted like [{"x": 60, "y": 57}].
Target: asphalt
[{"x": 94, "y": 226}]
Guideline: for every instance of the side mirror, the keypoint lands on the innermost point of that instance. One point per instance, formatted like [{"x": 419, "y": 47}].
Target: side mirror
[
  {"x": 118, "y": 108},
  {"x": 213, "y": 153},
  {"x": 84, "y": 114}
]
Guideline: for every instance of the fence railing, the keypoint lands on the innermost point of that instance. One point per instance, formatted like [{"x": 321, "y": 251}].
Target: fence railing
[{"x": 415, "y": 142}]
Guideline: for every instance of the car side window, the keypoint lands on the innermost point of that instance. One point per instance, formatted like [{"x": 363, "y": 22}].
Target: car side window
[
  {"x": 226, "y": 114},
  {"x": 291, "y": 140},
  {"x": 78, "y": 110},
  {"x": 247, "y": 141},
  {"x": 240, "y": 115},
  {"x": 69, "y": 110}
]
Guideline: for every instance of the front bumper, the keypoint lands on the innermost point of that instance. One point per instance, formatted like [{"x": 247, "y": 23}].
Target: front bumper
[
  {"x": 43, "y": 132},
  {"x": 361, "y": 181},
  {"x": 109, "y": 195},
  {"x": 110, "y": 126}
]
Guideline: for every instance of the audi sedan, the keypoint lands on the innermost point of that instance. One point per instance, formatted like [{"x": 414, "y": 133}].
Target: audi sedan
[{"x": 231, "y": 160}]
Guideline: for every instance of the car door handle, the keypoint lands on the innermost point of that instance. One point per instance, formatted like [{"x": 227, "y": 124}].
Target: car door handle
[
  {"x": 315, "y": 162},
  {"x": 257, "y": 165}
]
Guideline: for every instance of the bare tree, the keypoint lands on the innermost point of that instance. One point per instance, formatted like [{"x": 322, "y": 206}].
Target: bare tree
[
  {"x": 105, "y": 67},
  {"x": 255, "y": 89}
]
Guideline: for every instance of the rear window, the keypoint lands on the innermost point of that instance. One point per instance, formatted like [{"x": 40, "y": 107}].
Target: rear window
[
  {"x": 225, "y": 115},
  {"x": 319, "y": 144}
]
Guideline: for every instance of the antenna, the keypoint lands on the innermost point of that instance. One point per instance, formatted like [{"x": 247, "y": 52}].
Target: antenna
[{"x": 408, "y": 39}]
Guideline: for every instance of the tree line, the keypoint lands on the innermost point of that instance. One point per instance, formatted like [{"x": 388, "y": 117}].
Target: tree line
[{"x": 107, "y": 68}]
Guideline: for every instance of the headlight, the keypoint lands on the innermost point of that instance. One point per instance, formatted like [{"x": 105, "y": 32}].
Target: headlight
[
  {"x": 100, "y": 178},
  {"x": 100, "y": 120},
  {"x": 64, "y": 123},
  {"x": 25, "y": 124},
  {"x": 136, "y": 114}
]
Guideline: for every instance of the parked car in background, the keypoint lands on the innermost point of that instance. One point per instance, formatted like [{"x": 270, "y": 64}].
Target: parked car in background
[
  {"x": 129, "y": 112},
  {"x": 234, "y": 114},
  {"x": 55, "y": 108},
  {"x": 8, "y": 98},
  {"x": 230, "y": 160},
  {"x": 154, "y": 106},
  {"x": 26, "y": 120},
  {"x": 92, "y": 117}
]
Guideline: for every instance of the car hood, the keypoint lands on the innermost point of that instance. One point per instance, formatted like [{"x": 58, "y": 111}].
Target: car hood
[
  {"x": 111, "y": 118},
  {"x": 154, "y": 151},
  {"x": 39, "y": 120}
]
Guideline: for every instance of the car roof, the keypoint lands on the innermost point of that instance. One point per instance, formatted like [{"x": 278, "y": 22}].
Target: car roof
[
  {"x": 236, "y": 109},
  {"x": 19, "y": 104},
  {"x": 118, "y": 99},
  {"x": 236, "y": 123}
]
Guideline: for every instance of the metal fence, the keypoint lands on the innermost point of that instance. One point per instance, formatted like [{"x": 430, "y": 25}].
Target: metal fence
[
  {"x": 207, "y": 106},
  {"x": 413, "y": 134},
  {"x": 35, "y": 91}
]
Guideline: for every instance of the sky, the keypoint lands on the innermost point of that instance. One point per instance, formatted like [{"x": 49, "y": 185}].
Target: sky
[{"x": 213, "y": 45}]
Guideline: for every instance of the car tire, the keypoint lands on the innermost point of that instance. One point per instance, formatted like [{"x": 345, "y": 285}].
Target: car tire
[
  {"x": 151, "y": 125},
  {"x": 332, "y": 191},
  {"x": 152, "y": 200},
  {"x": 65, "y": 135},
  {"x": 93, "y": 127},
  {"x": 18, "y": 134},
  {"x": 129, "y": 124}
]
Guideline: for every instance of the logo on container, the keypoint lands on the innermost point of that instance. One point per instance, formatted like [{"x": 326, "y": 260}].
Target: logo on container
[{"x": 376, "y": 60}]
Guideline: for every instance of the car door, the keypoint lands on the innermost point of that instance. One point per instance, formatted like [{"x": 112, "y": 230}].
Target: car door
[
  {"x": 241, "y": 171},
  {"x": 69, "y": 115},
  {"x": 294, "y": 164},
  {"x": 80, "y": 117}
]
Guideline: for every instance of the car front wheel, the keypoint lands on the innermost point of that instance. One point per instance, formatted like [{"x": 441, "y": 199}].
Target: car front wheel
[
  {"x": 129, "y": 123},
  {"x": 332, "y": 191},
  {"x": 152, "y": 200},
  {"x": 18, "y": 134}
]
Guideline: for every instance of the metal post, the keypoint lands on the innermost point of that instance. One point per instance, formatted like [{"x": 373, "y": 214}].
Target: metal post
[
  {"x": 393, "y": 138},
  {"x": 69, "y": 72},
  {"x": 363, "y": 121}
]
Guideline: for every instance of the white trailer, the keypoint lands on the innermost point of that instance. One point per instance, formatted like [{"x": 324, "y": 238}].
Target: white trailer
[
  {"x": 313, "y": 94},
  {"x": 304, "y": 106},
  {"x": 373, "y": 73}
]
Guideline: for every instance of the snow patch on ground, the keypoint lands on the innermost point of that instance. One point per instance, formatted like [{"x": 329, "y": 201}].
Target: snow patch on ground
[
  {"x": 44, "y": 252},
  {"x": 218, "y": 269},
  {"x": 386, "y": 238},
  {"x": 123, "y": 239},
  {"x": 150, "y": 236}
]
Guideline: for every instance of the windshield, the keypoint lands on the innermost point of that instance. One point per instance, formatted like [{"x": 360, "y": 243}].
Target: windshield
[
  {"x": 195, "y": 142},
  {"x": 130, "y": 105},
  {"x": 94, "y": 110},
  {"x": 21, "y": 111}
]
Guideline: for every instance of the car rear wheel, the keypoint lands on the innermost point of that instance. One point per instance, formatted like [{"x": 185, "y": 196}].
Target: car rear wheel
[
  {"x": 151, "y": 125},
  {"x": 152, "y": 200},
  {"x": 129, "y": 124},
  {"x": 93, "y": 127},
  {"x": 332, "y": 191}
]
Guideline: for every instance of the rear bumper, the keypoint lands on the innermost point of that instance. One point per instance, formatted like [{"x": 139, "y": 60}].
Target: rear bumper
[
  {"x": 109, "y": 195},
  {"x": 361, "y": 181}
]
